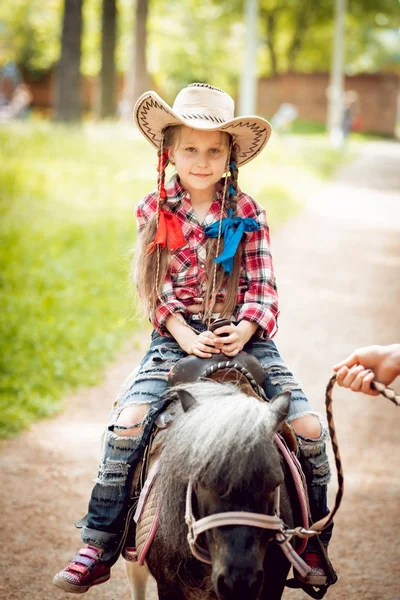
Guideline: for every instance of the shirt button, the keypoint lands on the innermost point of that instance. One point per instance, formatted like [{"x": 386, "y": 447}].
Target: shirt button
[
  {"x": 202, "y": 265},
  {"x": 200, "y": 235}
]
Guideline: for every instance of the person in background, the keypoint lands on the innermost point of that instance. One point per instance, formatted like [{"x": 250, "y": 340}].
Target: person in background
[{"x": 351, "y": 120}]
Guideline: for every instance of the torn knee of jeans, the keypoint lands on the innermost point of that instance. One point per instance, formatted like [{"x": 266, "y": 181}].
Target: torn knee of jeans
[
  {"x": 135, "y": 428},
  {"x": 322, "y": 438},
  {"x": 313, "y": 452}
]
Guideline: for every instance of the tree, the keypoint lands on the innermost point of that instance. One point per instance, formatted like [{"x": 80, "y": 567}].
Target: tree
[
  {"x": 68, "y": 103},
  {"x": 107, "y": 88},
  {"x": 193, "y": 41},
  {"x": 137, "y": 78},
  {"x": 288, "y": 26},
  {"x": 202, "y": 40},
  {"x": 142, "y": 78}
]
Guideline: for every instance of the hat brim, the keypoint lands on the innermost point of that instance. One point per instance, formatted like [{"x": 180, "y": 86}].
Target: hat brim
[{"x": 152, "y": 115}]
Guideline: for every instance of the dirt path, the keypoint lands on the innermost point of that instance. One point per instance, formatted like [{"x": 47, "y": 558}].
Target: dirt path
[{"x": 338, "y": 270}]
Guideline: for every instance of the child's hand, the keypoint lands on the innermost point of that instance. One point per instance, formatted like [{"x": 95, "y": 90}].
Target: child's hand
[
  {"x": 203, "y": 345},
  {"x": 232, "y": 343}
]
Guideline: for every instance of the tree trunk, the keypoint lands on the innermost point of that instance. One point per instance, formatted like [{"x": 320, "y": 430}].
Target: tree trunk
[
  {"x": 68, "y": 103},
  {"x": 271, "y": 25},
  {"x": 107, "y": 89},
  {"x": 137, "y": 78}
]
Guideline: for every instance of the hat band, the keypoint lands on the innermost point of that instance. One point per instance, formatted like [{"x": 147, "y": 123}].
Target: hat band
[{"x": 202, "y": 117}]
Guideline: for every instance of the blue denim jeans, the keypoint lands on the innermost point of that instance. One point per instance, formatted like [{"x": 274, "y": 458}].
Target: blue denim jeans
[{"x": 104, "y": 525}]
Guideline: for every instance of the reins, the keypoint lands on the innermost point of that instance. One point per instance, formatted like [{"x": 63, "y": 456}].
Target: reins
[{"x": 387, "y": 393}]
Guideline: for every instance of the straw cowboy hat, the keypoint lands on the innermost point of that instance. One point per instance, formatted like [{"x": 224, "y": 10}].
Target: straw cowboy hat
[{"x": 201, "y": 106}]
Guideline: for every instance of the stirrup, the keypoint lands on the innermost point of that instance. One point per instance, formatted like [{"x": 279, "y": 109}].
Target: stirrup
[{"x": 317, "y": 591}]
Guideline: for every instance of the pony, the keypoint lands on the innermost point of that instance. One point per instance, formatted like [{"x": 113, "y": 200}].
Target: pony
[{"x": 221, "y": 443}]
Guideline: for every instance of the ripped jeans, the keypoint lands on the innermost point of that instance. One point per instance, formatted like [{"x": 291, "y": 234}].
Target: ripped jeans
[{"x": 110, "y": 502}]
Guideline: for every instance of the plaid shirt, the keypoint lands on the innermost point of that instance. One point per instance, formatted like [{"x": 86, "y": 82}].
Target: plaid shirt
[{"x": 257, "y": 298}]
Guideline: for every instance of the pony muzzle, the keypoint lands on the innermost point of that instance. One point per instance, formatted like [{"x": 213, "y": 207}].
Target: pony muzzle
[{"x": 238, "y": 583}]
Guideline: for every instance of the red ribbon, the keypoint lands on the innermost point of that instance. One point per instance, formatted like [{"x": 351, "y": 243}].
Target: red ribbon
[{"x": 169, "y": 233}]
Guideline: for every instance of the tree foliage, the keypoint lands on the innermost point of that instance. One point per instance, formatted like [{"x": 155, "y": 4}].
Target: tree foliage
[
  {"x": 30, "y": 33},
  {"x": 204, "y": 39},
  {"x": 202, "y": 42}
]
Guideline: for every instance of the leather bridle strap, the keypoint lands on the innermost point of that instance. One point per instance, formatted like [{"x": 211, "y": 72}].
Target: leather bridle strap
[
  {"x": 272, "y": 522},
  {"x": 231, "y": 517}
]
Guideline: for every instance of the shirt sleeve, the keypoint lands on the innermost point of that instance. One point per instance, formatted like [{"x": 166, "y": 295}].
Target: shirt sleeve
[
  {"x": 168, "y": 303},
  {"x": 260, "y": 304}
]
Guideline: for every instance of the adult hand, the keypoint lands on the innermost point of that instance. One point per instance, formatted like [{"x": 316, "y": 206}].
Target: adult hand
[{"x": 358, "y": 370}]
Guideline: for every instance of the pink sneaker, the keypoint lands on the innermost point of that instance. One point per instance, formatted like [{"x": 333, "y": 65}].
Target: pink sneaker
[
  {"x": 85, "y": 570},
  {"x": 317, "y": 576}
]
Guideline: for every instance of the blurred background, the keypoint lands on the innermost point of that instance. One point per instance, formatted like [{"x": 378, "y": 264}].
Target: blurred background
[{"x": 72, "y": 165}]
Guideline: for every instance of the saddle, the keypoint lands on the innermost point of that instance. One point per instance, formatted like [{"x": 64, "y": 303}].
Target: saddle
[{"x": 244, "y": 371}]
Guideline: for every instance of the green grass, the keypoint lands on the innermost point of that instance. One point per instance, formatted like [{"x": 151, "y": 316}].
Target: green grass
[{"x": 67, "y": 199}]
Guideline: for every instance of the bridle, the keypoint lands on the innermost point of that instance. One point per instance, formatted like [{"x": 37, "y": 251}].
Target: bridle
[
  {"x": 196, "y": 527},
  {"x": 282, "y": 534}
]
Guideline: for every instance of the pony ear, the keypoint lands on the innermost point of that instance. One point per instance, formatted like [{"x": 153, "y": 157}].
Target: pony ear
[
  {"x": 279, "y": 406},
  {"x": 187, "y": 401}
]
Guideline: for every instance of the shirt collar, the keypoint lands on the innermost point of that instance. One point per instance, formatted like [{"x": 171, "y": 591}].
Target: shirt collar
[{"x": 175, "y": 190}]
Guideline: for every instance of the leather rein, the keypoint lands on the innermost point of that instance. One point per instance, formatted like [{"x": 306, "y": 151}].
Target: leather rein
[{"x": 282, "y": 534}]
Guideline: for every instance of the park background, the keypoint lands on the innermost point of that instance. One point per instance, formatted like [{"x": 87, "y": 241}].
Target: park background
[{"x": 72, "y": 165}]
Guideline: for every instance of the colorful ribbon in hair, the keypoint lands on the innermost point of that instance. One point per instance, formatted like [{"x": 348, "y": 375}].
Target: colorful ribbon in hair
[
  {"x": 169, "y": 233},
  {"x": 232, "y": 231}
]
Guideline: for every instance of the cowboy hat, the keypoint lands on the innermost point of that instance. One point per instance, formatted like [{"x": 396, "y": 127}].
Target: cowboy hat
[{"x": 201, "y": 106}]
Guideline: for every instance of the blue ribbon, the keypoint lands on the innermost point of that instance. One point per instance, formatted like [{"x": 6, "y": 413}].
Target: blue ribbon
[{"x": 232, "y": 231}]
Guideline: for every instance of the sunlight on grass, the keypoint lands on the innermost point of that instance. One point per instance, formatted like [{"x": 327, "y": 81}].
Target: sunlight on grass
[{"x": 67, "y": 199}]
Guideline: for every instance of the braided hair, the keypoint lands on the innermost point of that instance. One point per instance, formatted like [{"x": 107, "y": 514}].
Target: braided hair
[
  {"x": 231, "y": 282},
  {"x": 149, "y": 270}
]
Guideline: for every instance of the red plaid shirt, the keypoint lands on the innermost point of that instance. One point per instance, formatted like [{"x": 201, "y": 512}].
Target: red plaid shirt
[{"x": 257, "y": 298}]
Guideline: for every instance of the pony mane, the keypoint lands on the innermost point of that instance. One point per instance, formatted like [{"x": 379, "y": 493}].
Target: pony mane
[{"x": 225, "y": 443}]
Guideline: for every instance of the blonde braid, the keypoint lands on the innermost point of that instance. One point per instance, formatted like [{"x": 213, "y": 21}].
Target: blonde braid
[
  {"x": 163, "y": 161},
  {"x": 234, "y": 174},
  {"x": 217, "y": 276},
  {"x": 210, "y": 300}
]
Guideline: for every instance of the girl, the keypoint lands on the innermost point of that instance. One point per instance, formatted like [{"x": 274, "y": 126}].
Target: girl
[{"x": 203, "y": 253}]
